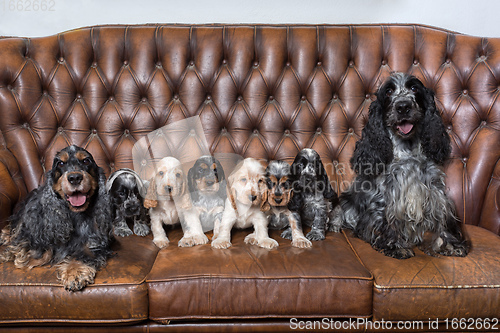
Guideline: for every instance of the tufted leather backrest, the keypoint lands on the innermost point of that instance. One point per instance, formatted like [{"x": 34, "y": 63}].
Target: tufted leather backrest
[{"x": 260, "y": 91}]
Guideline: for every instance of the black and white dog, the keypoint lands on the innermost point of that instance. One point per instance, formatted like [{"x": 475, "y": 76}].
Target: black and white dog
[
  {"x": 127, "y": 192},
  {"x": 399, "y": 193},
  {"x": 207, "y": 187},
  {"x": 313, "y": 195}
]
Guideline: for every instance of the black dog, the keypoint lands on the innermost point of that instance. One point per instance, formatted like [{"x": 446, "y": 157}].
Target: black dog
[
  {"x": 313, "y": 194},
  {"x": 127, "y": 193},
  {"x": 399, "y": 193},
  {"x": 207, "y": 186},
  {"x": 65, "y": 222}
]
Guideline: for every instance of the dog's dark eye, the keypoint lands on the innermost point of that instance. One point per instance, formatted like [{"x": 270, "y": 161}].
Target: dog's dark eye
[
  {"x": 178, "y": 175},
  {"x": 389, "y": 92},
  {"x": 60, "y": 164},
  {"x": 86, "y": 161},
  {"x": 161, "y": 173},
  {"x": 414, "y": 88},
  {"x": 243, "y": 180}
]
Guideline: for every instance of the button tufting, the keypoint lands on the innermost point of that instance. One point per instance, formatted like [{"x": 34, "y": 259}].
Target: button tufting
[
  {"x": 351, "y": 130},
  {"x": 144, "y": 99},
  {"x": 209, "y": 97},
  {"x": 303, "y": 98},
  {"x": 415, "y": 62},
  {"x": 271, "y": 98},
  {"x": 223, "y": 130},
  {"x": 94, "y": 131},
  {"x": 465, "y": 92},
  {"x": 255, "y": 64},
  {"x": 287, "y": 132},
  {"x": 319, "y": 64},
  {"x": 318, "y": 130},
  {"x": 240, "y": 98},
  {"x": 255, "y": 131},
  {"x": 351, "y": 63},
  {"x": 126, "y": 132}
]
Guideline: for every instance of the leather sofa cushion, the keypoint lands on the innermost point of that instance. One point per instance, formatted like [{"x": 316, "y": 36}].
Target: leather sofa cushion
[
  {"x": 425, "y": 287},
  {"x": 118, "y": 295},
  {"x": 246, "y": 281}
]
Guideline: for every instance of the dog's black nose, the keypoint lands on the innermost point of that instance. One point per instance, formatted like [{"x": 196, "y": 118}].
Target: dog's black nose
[
  {"x": 168, "y": 189},
  {"x": 209, "y": 183},
  {"x": 278, "y": 201},
  {"x": 403, "y": 107},
  {"x": 75, "y": 178},
  {"x": 252, "y": 197}
]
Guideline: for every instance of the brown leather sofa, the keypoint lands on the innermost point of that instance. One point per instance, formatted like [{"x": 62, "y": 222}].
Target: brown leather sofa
[{"x": 262, "y": 91}]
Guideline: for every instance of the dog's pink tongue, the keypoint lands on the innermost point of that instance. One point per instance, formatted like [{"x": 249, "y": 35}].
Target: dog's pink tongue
[
  {"x": 405, "y": 127},
  {"x": 77, "y": 200}
]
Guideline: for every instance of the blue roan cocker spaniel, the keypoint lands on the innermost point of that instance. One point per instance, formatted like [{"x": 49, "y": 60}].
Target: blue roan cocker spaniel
[
  {"x": 65, "y": 222},
  {"x": 399, "y": 193}
]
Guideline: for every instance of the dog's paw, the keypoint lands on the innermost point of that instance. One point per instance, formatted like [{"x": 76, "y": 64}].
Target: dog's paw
[
  {"x": 251, "y": 239},
  {"x": 301, "y": 242},
  {"x": 75, "y": 275},
  {"x": 268, "y": 243},
  {"x": 316, "y": 235},
  {"x": 399, "y": 253},
  {"x": 455, "y": 250},
  {"x": 121, "y": 229},
  {"x": 287, "y": 234},
  {"x": 141, "y": 229},
  {"x": 193, "y": 240},
  {"x": 220, "y": 243},
  {"x": 161, "y": 242}
]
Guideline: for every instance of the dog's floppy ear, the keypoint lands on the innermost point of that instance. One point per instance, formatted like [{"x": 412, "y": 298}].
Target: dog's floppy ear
[
  {"x": 264, "y": 204},
  {"x": 374, "y": 150},
  {"x": 434, "y": 138},
  {"x": 230, "y": 191},
  {"x": 221, "y": 177},
  {"x": 151, "y": 199},
  {"x": 192, "y": 183}
]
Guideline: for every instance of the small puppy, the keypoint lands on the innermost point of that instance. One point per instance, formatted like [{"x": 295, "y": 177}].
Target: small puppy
[
  {"x": 126, "y": 191},
  {"x": 207, "y": 186},
  {"x": 279, "y": 187},
  {"x": 246, "y": 196},
  {"x": 313, "y": 194},
  {"x": 170, "y": 203}
]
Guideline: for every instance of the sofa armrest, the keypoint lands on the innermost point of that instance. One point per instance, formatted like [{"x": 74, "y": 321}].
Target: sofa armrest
[
  {"x": 490, "y": 217},
  {"x": 12, "y": 186}
]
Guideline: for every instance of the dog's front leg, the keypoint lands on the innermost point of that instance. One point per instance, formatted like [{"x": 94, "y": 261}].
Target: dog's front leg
[
  {"x": 159, "y": 236},
  {"x": 260, "y": 236},
  {"x": 191, "y": 226},
  {"x": 222, "y": 239},
  {"x": 298, "y": 238}
]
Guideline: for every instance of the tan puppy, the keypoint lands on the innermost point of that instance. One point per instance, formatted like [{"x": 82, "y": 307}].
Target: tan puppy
[
  {"x": 246, "y": 195},
  {"x": 169, "y": 203}
]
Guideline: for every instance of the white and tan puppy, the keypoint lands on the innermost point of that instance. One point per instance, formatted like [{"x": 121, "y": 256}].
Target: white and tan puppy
[
  {"x": 169, "y": 203},
  {"x": 245, "y": 198}
]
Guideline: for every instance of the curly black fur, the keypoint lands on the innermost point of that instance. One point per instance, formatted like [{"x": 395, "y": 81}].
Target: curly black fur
[
  {"x": 399, "y": 193},
  {"x": 127, "y": 192},
  {"x": 51, "y": 229},
  {"x": 313, "y": 194}
]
